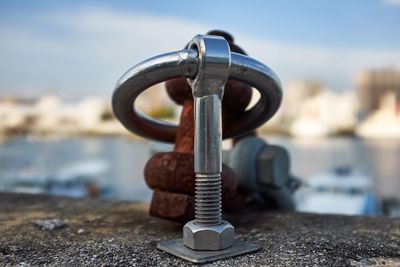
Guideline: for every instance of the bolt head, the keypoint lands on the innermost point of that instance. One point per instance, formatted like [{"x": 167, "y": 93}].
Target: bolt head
[
  {"x": 208, "y": 237},
  {"x": 273, "y": 166}
]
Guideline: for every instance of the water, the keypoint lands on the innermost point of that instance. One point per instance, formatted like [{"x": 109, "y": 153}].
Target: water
[
  {"x": 380, "y": 158},
  {"x": 38, "y": 158}
]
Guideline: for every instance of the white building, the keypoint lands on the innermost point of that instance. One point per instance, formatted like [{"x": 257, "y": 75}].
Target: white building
[
  {"x": 384, "y": 122},
  {"x": 49, "y": 115},
  {"x": 325, "y": 113}
]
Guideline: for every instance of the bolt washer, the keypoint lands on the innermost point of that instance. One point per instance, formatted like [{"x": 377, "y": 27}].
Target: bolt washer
[{"x": 177, "y": 248}]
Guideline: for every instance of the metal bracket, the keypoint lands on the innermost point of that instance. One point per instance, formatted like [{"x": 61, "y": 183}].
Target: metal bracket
[{"x": 177, "y": 248}]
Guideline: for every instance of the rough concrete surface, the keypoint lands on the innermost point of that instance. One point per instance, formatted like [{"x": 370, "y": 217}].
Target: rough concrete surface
[{"x": 106, "y": 233}]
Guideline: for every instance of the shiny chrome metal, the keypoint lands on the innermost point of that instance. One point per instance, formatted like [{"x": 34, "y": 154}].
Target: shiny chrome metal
[
  {"x": 184, "y": 63},
  {"x": 140, "y": 77},
  {"x": 208, "y": 133},
  {"x": 208, "y": 231},
  {"x": 214, "y": 64},
  {"x": 215, "y": 237},
  {"x": 177, "y": 248}
]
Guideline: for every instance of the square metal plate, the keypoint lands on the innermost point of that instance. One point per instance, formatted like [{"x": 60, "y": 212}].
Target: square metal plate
[{"x": 177, "y": 248}]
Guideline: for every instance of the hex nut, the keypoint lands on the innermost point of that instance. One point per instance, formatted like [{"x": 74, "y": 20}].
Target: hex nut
[{"x": 199, "y": 237}]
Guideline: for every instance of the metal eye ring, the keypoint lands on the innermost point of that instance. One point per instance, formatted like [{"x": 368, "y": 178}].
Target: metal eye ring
[{"x": 184, "y": 63}]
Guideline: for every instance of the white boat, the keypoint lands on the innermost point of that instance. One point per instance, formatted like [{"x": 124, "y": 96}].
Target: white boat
[{"x": 341, "y": 191}]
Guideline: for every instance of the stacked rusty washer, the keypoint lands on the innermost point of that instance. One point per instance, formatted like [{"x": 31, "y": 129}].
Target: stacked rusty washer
[{"x": 171, "y": 174}]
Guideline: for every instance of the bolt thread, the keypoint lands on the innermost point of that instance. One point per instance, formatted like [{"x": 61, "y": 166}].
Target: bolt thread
[{"x": 208, "y": 199}]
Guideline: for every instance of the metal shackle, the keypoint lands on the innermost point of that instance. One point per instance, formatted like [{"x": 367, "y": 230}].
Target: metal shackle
[{"x": 185, "y": 63}]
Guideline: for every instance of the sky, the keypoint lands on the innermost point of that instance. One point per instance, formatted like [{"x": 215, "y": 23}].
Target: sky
[{"x": 81, "y": 48}]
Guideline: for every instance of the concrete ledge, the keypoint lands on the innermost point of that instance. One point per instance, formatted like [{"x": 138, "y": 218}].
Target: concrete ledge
[{"x": 119, "y": 233}]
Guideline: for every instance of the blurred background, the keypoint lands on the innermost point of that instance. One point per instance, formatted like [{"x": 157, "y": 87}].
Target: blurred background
[{"x": 339, "y": 62}]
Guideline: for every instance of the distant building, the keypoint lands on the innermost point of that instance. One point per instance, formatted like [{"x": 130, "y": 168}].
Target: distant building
[
  {"x": 49, "y": 115},
  {"x": 384, "y": 122},
  {"x": 309, "y": 110},
  {"x": 373, "y": 85},
  {"x": 325, "y": 113},
  {"x": 294, "y": 95}
]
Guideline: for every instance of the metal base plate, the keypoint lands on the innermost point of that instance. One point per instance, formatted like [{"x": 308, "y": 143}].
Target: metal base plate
[{"x": 177, "y": 248}]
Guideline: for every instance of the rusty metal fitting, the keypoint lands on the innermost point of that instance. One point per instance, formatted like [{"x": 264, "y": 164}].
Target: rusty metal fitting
[
  {"x": 173, "y": 172},
  {"x": 172, "y": 206}
]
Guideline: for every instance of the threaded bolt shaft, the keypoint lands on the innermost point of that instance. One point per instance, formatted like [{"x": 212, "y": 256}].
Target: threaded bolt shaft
[{"x": 208, "y": 199}]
